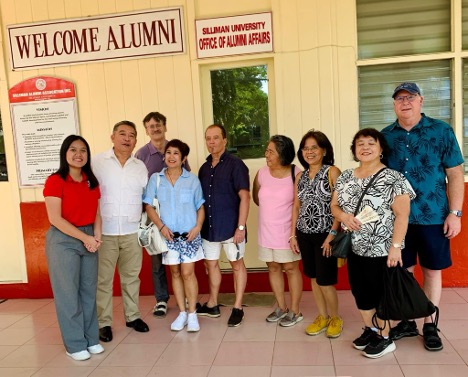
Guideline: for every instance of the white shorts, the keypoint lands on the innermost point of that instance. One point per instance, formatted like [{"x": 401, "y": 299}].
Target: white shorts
[
  {"x": 266, "y": 254},
  {"x": 233, "y": 251},
  {"x": 173, "y": 257}
]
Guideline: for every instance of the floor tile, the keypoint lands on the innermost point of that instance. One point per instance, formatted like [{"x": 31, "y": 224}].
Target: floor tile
[
  {"x": 435, "y": 370},
  {"x": 36, "y": 320},
  {"x": 69, "y": 372},
  {"x": 155, "y": 335},
  {"x": 236, "y": 371},
  {"x": 31, "y": 344},
  {"x": 7, "y": 320},
  {"x": 23, "y": 305},
  {"x": 454, "y": 329},
  {"x": 246, "y": 353},
  {"x": 18, "y": 336},
  {"x": 31, "y": 356},
  {"x": 120, "y": 372},
  {"x": 134, "y": 355},
  {"x": 453, "y": 311},
  {"x": 49, "y": 335},
  {"x": 18, "y": 372},
  {"x": 180, "y": 371},
  {"x": 197, "y": 353},
  {"x": 6, "y": 350},
  {"x": 461, "y": 347},
  {"x": 303, "y": 353},
  {"x": 412, "y": 351},
  {"x": 251, "y": 331},
  {"x": 209, "y": 332},
  {"x": 451, "y": 296},
  {"x": 370, "y": 370},
  {"x": 300, "y": 371}
]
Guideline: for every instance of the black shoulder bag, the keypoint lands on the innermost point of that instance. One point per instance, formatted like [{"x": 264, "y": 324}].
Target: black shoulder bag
[{"x": 341, "y": 244}]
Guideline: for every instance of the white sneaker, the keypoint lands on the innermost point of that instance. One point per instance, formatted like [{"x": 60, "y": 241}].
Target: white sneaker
[
  {"x": 96, "y": 349},
  {"x": 180, "y": 322},
  {"x": 79, "y": 356},
  {"x": 192, "y": 322}
]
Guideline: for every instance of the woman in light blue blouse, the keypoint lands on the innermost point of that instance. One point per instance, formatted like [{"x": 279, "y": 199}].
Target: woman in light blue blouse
[{"x": 182, "y": 213}]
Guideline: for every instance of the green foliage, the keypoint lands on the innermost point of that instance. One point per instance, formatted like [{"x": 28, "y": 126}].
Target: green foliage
[{"x": 240, "y": 103}]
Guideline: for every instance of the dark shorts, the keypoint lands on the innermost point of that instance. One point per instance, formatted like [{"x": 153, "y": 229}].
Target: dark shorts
[
  {"x": 366, "y": 280},
  {"x": 315, "y": 265},
  {"x": 428, "y": 244}
]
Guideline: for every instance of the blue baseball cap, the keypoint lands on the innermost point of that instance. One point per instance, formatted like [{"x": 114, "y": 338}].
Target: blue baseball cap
[{"x": 410, "y": 87}]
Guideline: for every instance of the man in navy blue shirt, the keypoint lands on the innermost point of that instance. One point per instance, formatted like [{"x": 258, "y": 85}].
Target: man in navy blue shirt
[
  {"x": 225, "y": 183},
  {"x": 426, "y": 151}
]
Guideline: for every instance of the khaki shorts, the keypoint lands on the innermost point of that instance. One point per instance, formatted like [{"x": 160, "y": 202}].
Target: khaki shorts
[
  {"x": 233, "y": 251},
  {"x": 266, "y": 254}
]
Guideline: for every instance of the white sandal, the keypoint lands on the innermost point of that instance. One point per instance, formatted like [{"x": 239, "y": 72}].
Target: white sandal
[{"x": 160, "y": 309}]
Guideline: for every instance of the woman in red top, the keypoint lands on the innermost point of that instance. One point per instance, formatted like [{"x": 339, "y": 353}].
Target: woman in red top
[{"x": 72, "y": 197}]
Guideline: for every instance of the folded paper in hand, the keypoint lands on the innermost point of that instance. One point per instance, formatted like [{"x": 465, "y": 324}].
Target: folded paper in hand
[{"x": 367, "y": 215}]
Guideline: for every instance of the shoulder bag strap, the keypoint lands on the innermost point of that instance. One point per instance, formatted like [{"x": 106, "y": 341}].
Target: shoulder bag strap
[
  {"x": 293, "y": 176},
  {"x": 367, "y": 188},
  {"x": 155, "y": 199},
  {"x": 158, "y": 181},
  {"x": 330, "y": 183}
]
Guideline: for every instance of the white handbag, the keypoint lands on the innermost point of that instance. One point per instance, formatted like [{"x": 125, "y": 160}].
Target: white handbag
[{"x": 149, "y": 235}]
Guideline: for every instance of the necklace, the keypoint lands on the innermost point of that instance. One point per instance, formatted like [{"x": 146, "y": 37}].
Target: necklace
[{"x": 170, "y": 177}]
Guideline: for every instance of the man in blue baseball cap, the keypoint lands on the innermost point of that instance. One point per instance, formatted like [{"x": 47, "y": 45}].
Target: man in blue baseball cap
[
  {"x": 410, "y": 87},
  {"x": 426, "y": 151}
]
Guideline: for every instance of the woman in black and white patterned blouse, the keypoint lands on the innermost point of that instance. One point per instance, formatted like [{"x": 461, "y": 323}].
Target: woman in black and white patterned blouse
[
  {"x": 313, "y": 227},
  {"x": 376, "y": 245}
]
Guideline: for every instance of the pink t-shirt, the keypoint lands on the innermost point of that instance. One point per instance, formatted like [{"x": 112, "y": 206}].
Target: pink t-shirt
[{"x": 276, "y": 197}]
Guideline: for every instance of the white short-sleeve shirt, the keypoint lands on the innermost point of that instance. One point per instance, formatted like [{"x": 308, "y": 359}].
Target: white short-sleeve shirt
[{"x": 122, "y": 189}]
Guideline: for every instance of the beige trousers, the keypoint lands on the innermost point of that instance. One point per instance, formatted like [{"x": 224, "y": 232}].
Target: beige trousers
[{"x": 125, "y": 253}]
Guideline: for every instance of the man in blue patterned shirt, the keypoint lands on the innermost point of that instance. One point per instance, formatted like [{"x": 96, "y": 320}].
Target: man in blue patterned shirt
[{"x": 426, "y": 151}]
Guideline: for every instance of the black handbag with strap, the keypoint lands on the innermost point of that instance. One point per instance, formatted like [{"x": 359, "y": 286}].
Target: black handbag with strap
[{"x": 341, "y": 245}]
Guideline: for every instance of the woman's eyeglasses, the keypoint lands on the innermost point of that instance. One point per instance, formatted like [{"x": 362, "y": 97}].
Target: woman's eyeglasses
[{"x": 310, "y": 149}]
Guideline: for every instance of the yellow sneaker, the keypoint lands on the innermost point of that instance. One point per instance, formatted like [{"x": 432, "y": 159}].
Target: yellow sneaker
[
  {"x": 335, "y": 327},
  {"x": 318, "y": 326}
]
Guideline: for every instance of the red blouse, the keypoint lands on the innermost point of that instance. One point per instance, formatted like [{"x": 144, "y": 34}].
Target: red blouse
[{"x": 79, "y": 202}]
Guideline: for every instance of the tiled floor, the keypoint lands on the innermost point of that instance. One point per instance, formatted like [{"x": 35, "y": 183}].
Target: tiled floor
[{"x": 30, "y": 345}]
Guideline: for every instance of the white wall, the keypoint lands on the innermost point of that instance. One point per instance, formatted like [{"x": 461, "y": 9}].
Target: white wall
[{"x": 313, "y": 76}]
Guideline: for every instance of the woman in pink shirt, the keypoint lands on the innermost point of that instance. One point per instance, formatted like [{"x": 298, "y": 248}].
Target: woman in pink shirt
[{"x": 273, "y": 192}]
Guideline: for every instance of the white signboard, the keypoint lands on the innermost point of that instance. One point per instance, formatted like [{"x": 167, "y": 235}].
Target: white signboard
[
  {"x": 43, "y": 113},
  {"x": 91, "y": 39},
  {"x": 249, "y": 34}
]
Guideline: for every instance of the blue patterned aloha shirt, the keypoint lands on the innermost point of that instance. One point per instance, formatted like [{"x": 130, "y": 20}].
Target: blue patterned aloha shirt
[{"x": 422, "y": 155}]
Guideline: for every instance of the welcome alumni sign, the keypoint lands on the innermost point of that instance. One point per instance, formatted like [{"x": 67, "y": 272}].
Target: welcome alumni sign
[{"x": 85, "y": 40}]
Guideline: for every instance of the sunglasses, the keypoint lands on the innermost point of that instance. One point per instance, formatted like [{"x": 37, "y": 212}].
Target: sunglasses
[{"x": 182, "y": 236}]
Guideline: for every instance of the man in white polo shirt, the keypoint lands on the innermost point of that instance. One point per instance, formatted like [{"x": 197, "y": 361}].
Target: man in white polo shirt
[{"x": 122, "y": 180}]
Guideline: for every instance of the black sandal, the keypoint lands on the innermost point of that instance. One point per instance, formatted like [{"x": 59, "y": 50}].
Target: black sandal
[{"x": 432, "y": 341}]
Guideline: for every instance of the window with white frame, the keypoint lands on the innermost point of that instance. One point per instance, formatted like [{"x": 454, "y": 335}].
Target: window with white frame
[
  {"x": 413, "y": 41},
  {"x": 240, "y": 103}
]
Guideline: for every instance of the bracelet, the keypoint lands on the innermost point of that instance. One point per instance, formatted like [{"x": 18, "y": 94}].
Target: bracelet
[
  {"x": 162, "y": 227},
  {"x": 333, "y": 232},
  {"x": 289, "y": 239}
]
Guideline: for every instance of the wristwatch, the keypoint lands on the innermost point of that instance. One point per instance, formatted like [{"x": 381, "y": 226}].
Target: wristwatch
[
  {"x": 456, "y": 212},
  {"x": 241, "y": 227},
  {"x": 333, "y": 232},
  {"x": 396, "y": 245}
]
